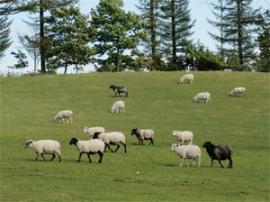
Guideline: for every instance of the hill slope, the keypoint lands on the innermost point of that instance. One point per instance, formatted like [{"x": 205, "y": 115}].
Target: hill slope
[{"x": 28, "y": 105}]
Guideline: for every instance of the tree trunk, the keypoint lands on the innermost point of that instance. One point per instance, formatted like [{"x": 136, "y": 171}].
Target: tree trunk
[
  {"x": 153, "y": 33},
  {"x": 239, "y": 32},
  {"x": 173, "y": 33},
  {"x": 42, "y": 43}
]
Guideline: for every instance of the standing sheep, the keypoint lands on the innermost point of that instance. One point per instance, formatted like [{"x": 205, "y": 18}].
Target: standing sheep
[
  {"x": 113, "y": 138},
  {"x": 203, "y": 97},
  {"x": 144, "y": 134},
  {"x": 118, "y": 106},
  {"x": 238, "y": 91},
  {"x": 89, "y": 147},
  {"x": 42, "y": 147},
  {"x": 64, "y": 116},
  {"x": 183, "y": 136},
  {"x": 119, "y": 89},
  {"x": 91, "y": 131},
  {"x": 187, "y": 78},
  {"x": 219, "y": 153},
  {"x": 187, "y": 152}
]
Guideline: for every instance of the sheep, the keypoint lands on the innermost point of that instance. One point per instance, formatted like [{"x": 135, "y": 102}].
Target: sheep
[
  {"x": 203, "y": 97},
  {"x": 119, "y": 89},
  {"x": 42, "y": 147},
  {"x": 118, "y": 106},
  {"x": 187, "y": 78},
  {"x": 89, "y": 147},
  {"x": 219, "y": 153},
  {"x": 183, "y": 136},
  {"x": 91, "y": 131},
  {"x": 144, "y": 134},
  {"x": 64, "y": 116},
  {"x": 238, "y": 91},
  {"x": 114, "y": 138},
  {"x": 187, "y": 152}
]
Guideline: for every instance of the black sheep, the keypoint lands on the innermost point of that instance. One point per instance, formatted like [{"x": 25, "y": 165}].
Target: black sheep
[
  {"x": 119, "y": 89},
  {"x": 219, "y": 153}
]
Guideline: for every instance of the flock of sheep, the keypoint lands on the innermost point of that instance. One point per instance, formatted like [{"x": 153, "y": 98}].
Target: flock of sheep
[{"x": 100, "y": 140}]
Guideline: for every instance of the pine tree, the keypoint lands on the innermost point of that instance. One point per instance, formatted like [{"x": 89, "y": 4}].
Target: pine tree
[
  {"x": 149, "y": 12},
  {"x": 4, "y": 34},
  {"x": 219, "y": 22},
  {"x": 115, "y": 33},
  {"x": 176, "y": 29}
]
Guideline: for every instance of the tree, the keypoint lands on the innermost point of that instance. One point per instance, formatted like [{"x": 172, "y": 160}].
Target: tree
[
  {"x": 4, "y": 34},
  {"x": 149, "y": 12},
  {"x": 116, "y": 33},
  {"x": 219, "y": 23},
  {"x": 70, "y": 32},
  {"x": 21, "y": 60},
  {"x": 176, "y": 29},
  {"x": 238, "y": 29},
  {"x": 263, "y": 62}
]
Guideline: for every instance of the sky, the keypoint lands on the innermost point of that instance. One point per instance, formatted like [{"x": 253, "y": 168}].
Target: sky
[{"x": 200, "y": 11}]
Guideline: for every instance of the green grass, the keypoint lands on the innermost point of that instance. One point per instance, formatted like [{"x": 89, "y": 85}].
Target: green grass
[{"x": 28, "y": 105}]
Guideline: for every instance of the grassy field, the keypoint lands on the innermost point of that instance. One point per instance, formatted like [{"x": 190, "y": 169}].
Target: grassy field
[{"x": 28, "y": 105}]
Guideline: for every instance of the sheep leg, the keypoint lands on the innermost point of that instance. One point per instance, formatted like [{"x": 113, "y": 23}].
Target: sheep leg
[
  {"x": 53, "y": 156},
  {"x": 59, "y": 157},
  {"x": 181, "y": 164},
  {"x": 220, "y": 164},
  {"x": 212, "y": 161},
  {"x": 151, "y": 141},
  {"x": 118, "y": 146},
  {"x": 43, "y": 157},
  {"x": 230, "y": 164},
  {"x": 80, "y": 155},
  {"x": 125, "y": 146},
  {"x": 100, "y": 156},
  {"x": 89, "y": 157},
  {"x": 37, "y": 156},
  {"x": 199, "y": 162},
  {"x": 107, "y": 145}
]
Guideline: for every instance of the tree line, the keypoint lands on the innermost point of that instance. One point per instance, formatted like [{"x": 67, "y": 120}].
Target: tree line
[{"x": 158, "y": 38}]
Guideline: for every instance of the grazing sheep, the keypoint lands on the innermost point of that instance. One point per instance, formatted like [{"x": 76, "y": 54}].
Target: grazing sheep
[
  {"x": 183, "y": 136},
  {"x": 113, "y": 138},
  {"x": 187, "y": 152},
  {"x": 44, "y": 147},
  {"x": 119, "y": 89},
  {"x": 238, "y": 91},
  {"x": 64, "y": 116},
  {"x": 118, "y": 106},
  {"x": 203, "y": 97},
  {"x": 187, "y": 78},
  {"x": 89, "y": 147},
  {"x": 219, "y": 153},
  {"x": 143, "y": 134},
  {"x": 91, "y": 131}
]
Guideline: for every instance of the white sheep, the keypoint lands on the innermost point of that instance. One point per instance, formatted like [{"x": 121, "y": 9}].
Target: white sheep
[
  {"x": 187, "y": 152},
  {"x": 45, "y": 147},
  {"x": 114, "y": 138},
  {"x": 64, "y": 116},
  {"x": 144, "y": 134},
  {"x": 238, "y": 91},
  {"x": 203, "y": 97},
  {"x": 187, "y": 78},
  {"x": 183, "y": 136},
  {"x": 118, "y": 106},
  {"x": 89, "y": 147},
  {"x": 92, "y": 130}
]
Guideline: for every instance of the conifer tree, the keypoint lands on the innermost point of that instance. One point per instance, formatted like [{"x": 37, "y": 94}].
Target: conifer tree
[{"x": 5, "y": 41}]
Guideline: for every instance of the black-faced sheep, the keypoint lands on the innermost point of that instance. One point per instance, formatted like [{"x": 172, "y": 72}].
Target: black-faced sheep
[
  {"x": 89, "y": 147},
  {"x": 119, "y": 89},
  {"x": 143, "y": 134},
  {"x": 44, "y": 147},
  {"x": 219, "y": 153}
]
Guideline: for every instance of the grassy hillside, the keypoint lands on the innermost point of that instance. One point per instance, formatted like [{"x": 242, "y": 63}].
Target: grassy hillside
[{"x": 28, "y": 105}]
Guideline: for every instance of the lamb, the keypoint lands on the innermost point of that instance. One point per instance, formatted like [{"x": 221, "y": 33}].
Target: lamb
[
  {"x": 89, "y": 147},
  {"x": 118, "y": 106},
  {"x": 187, "y": 78},
  {"x": 144, "y": 134},
  {"x": 238, "y": 91},
  {"x": 183, "y": 136},
  {"x": 91, "y": 131},
  {"x": 64, "y": 116},
  {"x": 119, "y": 89},
  {"x": 42, "y": 147},
  {"x": 203, "y": 97},
  {"x": 114, "y": 138},
  {"x": 187, "y": 152},
  {"x": 219, "y": 153}
]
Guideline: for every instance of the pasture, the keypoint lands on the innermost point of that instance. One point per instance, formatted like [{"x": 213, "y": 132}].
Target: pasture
[{"x": 145, "y": 173}]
